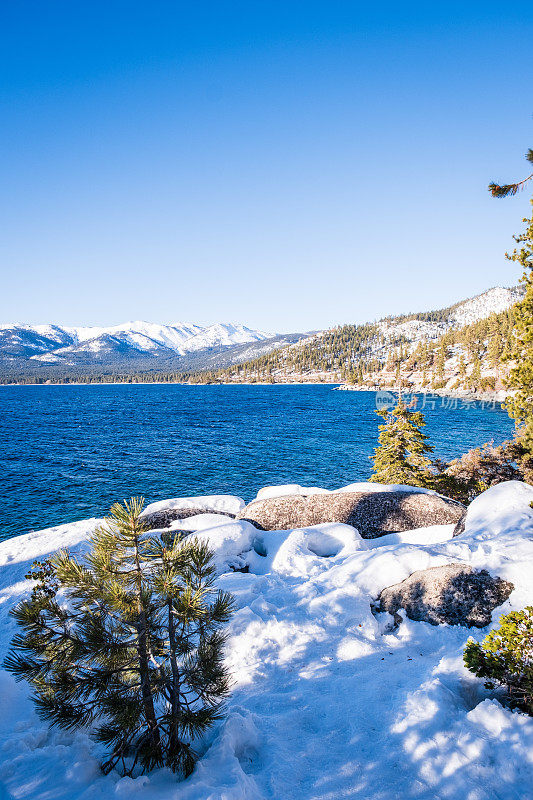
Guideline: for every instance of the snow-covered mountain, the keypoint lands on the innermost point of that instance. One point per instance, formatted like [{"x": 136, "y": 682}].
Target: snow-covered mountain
[
  {"x": 132, "y": 341},
  {"x": 431, "y": 325},
  {"x": 188, "y": 347}
]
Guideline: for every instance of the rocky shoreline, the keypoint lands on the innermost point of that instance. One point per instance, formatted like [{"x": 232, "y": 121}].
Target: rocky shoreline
[{"x": 466, "y": 395}]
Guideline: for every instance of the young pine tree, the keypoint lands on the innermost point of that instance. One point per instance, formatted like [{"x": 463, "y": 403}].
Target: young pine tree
[
  {"x": 127, "y": 641},
  {"x": 401, "y": 456},
  {"x": 505, "y": 657}
]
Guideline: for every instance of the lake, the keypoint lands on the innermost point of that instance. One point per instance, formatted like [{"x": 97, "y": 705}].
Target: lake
[{"x": 69, "y": 452}]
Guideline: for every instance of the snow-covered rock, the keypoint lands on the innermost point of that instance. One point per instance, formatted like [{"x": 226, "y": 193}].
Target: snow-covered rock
[
  {"x": 218, "y": 503},
  {"x": 199, "y": 522},
  {"x": 270, "y": 492},
  {"x": 454, "y": 594},
  {"x": 284, "y": 489},
  {"x": 164, "y": 512},
  {"x": 505, "y": 505},
  {"x": 302, "y": 551},
  {"x": 230, "y": 543}
]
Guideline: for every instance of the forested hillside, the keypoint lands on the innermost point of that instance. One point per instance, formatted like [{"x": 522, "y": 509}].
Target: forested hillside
[
  {"x": 431, "y": 350},
  {"x": 463, "y": 346}
]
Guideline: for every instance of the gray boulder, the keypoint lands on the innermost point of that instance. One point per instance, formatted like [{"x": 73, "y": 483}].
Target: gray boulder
[
  {"x": 372, "y": 513},
  {"x": 454, "y": 593}
]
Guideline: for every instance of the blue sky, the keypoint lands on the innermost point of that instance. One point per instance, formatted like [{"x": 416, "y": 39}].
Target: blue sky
[{"x": 289, "y": 165}]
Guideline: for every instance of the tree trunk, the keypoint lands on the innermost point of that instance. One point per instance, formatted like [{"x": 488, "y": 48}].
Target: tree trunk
[
  {"x": 144, "y": 670},
  {"x": 174, "y": 694}
]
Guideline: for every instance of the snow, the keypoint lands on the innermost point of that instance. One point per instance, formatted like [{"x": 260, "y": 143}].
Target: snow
[
  {"x": 200, "y": 521},
  {"x": 223, "y": 335},
  {"x": 367, "y": 486},
  {"x": 327, "y": 701},
  {"x": 494, "y": 301},
  {"x": 49, "y": 358},
  {"x": 504, "y": 506},
  {"x": 179, "y": 338},
  {"x": 271, "y": 492},
  {"x": 230, "y": 543},
  {"x": 413, "y": 331},
  {"x": 212, "y": 502}
]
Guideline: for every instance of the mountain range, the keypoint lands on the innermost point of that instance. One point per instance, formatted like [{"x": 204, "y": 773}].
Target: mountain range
[
  {"x": 132, "y": 345},
  {"x": 54, "y": 351}
]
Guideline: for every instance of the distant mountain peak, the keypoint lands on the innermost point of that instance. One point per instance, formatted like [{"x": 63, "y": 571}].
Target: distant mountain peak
[{"x": 133, "y": 340}]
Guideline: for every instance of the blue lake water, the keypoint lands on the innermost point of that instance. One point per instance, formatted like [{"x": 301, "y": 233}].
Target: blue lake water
[{"x": 69, "y": 452}]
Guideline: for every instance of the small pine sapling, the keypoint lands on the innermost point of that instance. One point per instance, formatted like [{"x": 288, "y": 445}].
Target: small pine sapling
[
  {"x": 127, "y": 641},
  {"x": 505, "y": 657}
]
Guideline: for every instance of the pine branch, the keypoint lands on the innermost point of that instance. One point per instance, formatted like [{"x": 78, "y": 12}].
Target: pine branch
[{"x": 508, "y": 189}]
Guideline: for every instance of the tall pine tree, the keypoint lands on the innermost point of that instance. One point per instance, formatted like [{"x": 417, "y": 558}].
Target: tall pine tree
[
  {"x": 520, "y": 405},
  {"x": 127, "y": 641}
]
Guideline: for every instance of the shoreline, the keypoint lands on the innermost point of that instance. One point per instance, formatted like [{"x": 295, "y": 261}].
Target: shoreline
[
  {"x": 179, "y": 383},
  {"x": 458, "y": 394},
  {"x": 467, "y": 395}
]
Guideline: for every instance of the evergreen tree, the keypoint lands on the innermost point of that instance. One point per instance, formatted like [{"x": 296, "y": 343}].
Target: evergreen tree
[
  {"x": 494, "y": 349},
  {"x": 441, "y": 361},
  {"x": 520, "y": 347},
  {"x": 475, "y": 375},
  {"x": 520, "y": 406},
  {"x": 505, "y": 657},
  {"x": 127, "y": 640},
  {"x": 401, "y": 456}
]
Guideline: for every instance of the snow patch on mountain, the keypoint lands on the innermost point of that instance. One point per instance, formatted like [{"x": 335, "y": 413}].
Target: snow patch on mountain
[
  {"x": 179, "y": 337},
  {"x": 413, "y": 331},
  {"x": 494, "y": 301}
]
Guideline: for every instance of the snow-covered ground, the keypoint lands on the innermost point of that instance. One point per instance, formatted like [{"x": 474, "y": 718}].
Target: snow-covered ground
[{"x": 326, "y": 703}]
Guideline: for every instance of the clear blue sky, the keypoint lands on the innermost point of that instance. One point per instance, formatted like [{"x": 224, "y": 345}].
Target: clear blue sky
[{"x": 289, "y": 165}]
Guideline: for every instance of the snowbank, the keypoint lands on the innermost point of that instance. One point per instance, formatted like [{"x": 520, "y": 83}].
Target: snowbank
[
  {"x": 199, "y": 522},
  {"x": 327, "y": 702},
  {"x": 230, "y": 543},
  {"x": 227, "y": 503},
  {"x": 505, "y": 506},
  {"x": 270, "y": 492}
]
